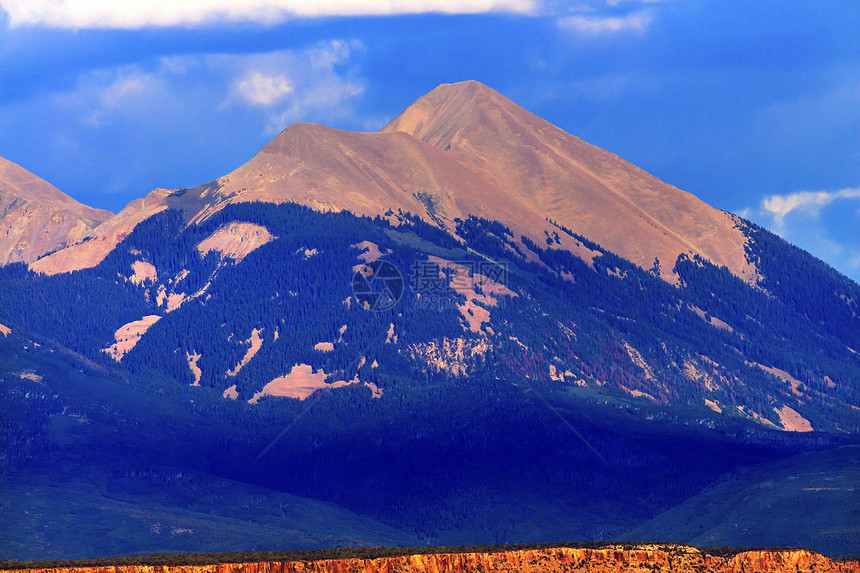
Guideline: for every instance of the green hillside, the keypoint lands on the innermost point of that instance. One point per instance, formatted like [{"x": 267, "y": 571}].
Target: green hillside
[{"x": 809, "y": 500}]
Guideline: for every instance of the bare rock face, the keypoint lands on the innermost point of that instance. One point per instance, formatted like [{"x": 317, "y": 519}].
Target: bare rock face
[
  {"x": 641, "y": 559},
  {"x": 37, "y": 218},
  {"x": 584, "y": 188},
  {"x": 460, "y": 150},
  {"x": 104, "y": 237}
]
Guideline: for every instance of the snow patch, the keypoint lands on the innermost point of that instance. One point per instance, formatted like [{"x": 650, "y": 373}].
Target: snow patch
[
  {"x": 370, "y": 252},
  {"x": 638, "y": 393},
  {"x": 637, "y": 359},
  {"x": 757, "y": 417},
  {"x": 712, "y": 320},
  {"x": 255, "y": 343},
  {"x": 480, "y": 291},
  {"x": 192, "y": 364},
  {"x": 797, "y": 386},
  {"x": 29, "y": 375},
  {"x": 454, "y": 356},
  {"x": 792, "y": 421},
  {"x": 175, "y": 300}
]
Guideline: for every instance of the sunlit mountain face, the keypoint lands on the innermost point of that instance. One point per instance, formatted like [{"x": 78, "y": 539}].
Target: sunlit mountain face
[{"x": 468, "y": 328}]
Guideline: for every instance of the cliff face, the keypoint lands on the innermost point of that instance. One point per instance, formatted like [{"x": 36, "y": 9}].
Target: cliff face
[{"x": 644, "y": 559}]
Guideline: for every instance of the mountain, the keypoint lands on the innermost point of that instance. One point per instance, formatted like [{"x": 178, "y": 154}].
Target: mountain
[
  {"x": 582, "y": 187},
  {"x": 759, "y": 506},
  {"x": 479, "y": 155},
  {"x": 37, "y": 218},
  {"x": 424, "y": 329}
]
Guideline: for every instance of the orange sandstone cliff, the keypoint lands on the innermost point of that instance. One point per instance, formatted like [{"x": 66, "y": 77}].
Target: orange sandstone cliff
[{"x": 610, "y": 559}]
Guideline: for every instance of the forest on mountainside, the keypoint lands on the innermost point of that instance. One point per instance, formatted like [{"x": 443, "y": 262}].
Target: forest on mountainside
[
  {"x": 472, "y": 434},
  {"x": 607, "y": 323}
]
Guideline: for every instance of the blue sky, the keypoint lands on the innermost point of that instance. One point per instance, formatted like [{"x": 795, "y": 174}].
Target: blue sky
[{"x": 752, "y": 106}]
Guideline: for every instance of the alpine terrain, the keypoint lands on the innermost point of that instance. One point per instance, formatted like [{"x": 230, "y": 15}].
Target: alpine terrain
[{"x": 470, "y": 327}]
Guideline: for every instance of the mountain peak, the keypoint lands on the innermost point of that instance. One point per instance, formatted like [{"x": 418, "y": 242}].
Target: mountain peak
[
  {"x": 464, "y": 149},
  {"x": 439, "y": 115},
  {"x": 18, "y": 182},
  {"x": 37, "y": 218},
  {"x": 564, "y": 179}
]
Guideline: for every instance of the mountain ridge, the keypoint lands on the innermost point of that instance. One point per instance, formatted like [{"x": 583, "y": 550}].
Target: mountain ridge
[
  {"x": 346, "y": 319},
  {"x": 37, "y": 218},
  {"x": 473, "y": 153},
  {"x": 606, "y": 184}
]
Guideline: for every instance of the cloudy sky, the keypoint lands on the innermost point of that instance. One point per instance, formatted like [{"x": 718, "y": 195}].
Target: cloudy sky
[{"x": 754, "y": 106}]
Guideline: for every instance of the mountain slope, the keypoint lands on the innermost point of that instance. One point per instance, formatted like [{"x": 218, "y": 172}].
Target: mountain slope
[
  {"x": 582, "y": 187},
  {"x": 105, "y": 237},
  {"x": 113, "y": 458},
  {"x": 762, "y": 505},
  {"x": 330, "y": 321},
  {"x": 779, "y": 356},
  {"x": 331, "y": 170},
  {"x": 477, "y": 154},
  {"x": 37, "y": 218},
  {"x": 91, "y": 464}
]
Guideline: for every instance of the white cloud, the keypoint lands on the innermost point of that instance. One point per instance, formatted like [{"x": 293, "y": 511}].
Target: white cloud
[
  {"x": 810, "y": 202},
  {"x": 259, "y": 89},
  {"x": 132, "y": 14},
  {"x": 815, "y": 221},
  {"x": 294, "y": 85},
  {"x": 119, "y": 131},
  {"x": 635, "y": 22},
  {"x": 318, "y": 83},
  {"x": 619, "y": 2},
  {"x": 126, "y": 87},
  {"x": 100, "y": 95}
]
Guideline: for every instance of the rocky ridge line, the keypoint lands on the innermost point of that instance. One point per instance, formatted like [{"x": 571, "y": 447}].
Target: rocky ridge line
[{"x": 611, "y": 559}]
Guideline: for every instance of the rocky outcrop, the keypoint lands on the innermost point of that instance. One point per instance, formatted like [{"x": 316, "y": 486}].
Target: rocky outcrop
[{"x": 609, "y": 559}]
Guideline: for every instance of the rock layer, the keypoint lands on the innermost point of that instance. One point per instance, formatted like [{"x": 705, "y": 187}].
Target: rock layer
[{"x": 610, "y": 559}]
